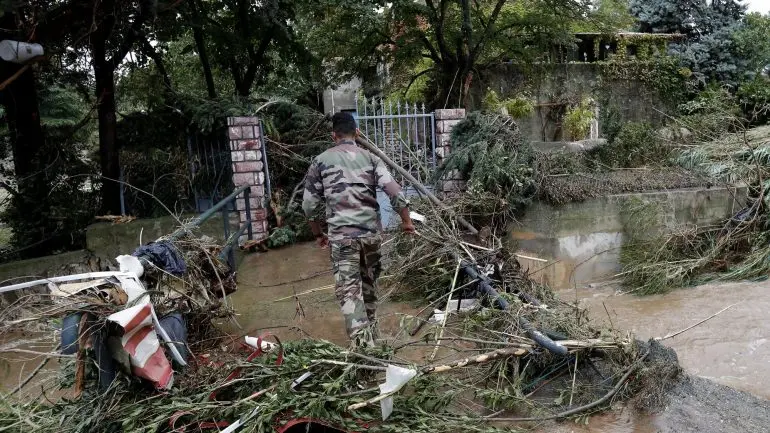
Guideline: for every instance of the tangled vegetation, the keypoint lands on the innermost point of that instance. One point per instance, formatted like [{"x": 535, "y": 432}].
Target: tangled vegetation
[
  {"x": 489, "y": 152},
  {"x": 655, "y": 261}
]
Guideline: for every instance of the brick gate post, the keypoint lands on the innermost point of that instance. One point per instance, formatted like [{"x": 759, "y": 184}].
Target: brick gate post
[{"x": 247, "y": 156}]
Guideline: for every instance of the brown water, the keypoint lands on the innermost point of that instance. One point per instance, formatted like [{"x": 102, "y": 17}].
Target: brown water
[{"x": 732, "y": 348}]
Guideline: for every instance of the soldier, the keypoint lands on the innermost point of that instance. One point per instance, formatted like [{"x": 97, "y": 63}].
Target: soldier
[{"x": 343, "y": 182}]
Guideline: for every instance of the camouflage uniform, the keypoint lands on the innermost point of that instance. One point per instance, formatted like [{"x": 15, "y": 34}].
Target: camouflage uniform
[{"x": 343, "y": 181}]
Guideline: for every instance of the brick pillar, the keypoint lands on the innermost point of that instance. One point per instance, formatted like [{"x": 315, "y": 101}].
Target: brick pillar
[
  {"x": 445, "y": 122},
  {"x": 249, "y": 169}
]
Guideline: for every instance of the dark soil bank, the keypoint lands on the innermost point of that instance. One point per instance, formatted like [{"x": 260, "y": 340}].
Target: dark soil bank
[{"x": 700, "y": 405}]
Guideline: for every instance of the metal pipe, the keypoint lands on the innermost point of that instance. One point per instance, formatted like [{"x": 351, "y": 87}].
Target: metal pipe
[
  {"x": 200, "y": 219},
  {"x": 532, "y": 332}
]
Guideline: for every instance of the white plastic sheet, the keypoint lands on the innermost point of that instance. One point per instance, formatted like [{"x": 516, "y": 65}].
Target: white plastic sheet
[{"x": 395, "y": 379}]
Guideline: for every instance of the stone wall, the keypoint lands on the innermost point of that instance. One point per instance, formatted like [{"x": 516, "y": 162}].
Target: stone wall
[
  {"x": 554, "y": 84},
  {"x": 249, "y": 168},
  {"x": 446, "y": 120},
  {"x": 580, "y": 243}
]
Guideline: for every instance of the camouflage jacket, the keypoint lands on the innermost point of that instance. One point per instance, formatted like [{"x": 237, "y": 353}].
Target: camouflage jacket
[{"x": 344, "y": 181}]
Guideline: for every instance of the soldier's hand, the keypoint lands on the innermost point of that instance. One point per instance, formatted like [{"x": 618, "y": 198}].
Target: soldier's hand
[
  {"x": 408, "y": 228},
  {"x": 323, "y": 241}
]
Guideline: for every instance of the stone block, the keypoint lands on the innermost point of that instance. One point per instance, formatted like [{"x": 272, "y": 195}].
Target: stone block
[
  {"x": 240, "y": 121},
  {"x": 234, "y": 132},
  {"x": 247, "y": 166},
  {"x": 442, "y": 152},
  {"x": 247, "y": 131},
  {"x": 241, "y": 179},
  {"x": 240, "y": 204},
  {"x": 257, "y": 215},
  {"x": 450, "y": 114},
  {"x": 257, "y": 192},
  {"x": 443, "y": 139},
  {"x": 445, "y": 126},
  {"x": 260, "y": 178},
  {"x": 251, "y": 155},
  {"x": 253, "y": 144},
  {"x": 237, "y": 156}
]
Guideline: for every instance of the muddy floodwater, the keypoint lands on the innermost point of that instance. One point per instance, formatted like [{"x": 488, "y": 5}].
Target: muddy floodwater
[
  {"x": 289, "y": 293},
  {"x": 732, "y": 348}
]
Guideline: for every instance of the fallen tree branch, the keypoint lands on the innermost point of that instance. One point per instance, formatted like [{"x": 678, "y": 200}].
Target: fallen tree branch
[
  {"x": 585, "y": 407},
  {"x": 480, "y": 359}
]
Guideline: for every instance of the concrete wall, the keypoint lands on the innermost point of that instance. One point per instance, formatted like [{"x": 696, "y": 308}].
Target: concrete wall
[
  {"x": 342, "y": 97},
  {"x": 109, "y": 240},
  {"x": 557, "y": 83},
  {"x": 579, "y": 243}
]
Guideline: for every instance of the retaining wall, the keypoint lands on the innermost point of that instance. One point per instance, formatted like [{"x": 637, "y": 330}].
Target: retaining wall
[{"x": 579, "y": 243}]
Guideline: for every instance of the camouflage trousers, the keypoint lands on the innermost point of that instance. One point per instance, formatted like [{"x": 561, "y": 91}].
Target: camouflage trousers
[{"x": 356, "y": 264}]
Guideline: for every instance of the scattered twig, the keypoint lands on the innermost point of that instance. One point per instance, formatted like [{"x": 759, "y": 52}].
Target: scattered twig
[{"x": 693, "y": 326}]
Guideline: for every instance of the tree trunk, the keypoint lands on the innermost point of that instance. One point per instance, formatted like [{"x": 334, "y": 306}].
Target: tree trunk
[
  {"x": 30, "y": 205},
  {"x": 200, "y": 45},
  {"x": 109, "y": 153}
]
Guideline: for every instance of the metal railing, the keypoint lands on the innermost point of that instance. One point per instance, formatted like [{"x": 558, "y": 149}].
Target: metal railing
[
  {"x": 224, "y": 207},
  {"x": 405, "y": 132}
]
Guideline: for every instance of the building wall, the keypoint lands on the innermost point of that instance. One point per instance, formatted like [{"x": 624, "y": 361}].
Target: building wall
[
  {"x": 341, "y": 98},
  {"x": 561, "y": 82}
]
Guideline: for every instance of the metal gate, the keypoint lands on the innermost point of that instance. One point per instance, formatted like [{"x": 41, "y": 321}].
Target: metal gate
[
  {"x": 405, "y": 132},
  {"x": 210, "y": 168}
]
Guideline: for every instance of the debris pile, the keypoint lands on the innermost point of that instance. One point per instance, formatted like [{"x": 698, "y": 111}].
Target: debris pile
[
  {"x": 497, "y": 348},
  {"x": 655, "y": 260}
]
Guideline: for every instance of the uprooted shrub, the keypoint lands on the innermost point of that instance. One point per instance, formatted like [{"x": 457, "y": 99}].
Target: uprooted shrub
[{"x": 490, "y": 153}]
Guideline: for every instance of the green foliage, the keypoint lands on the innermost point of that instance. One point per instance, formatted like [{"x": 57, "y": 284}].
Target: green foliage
[
  {"x": 610, "y": 120},
  {"x": 709, "y": 49},
  {"x": 578, "y": 119},
  {"x": 607, "y": 16},
  {"x": 40, "y": 212},
  {"x": 403, "y": 33},
  {"x": 489, "y": 152},
  {"x": 754, "y": 99},
  {"x": 517, "y": 108},
  {"x": 711, "y": 114},
  {"x": 752, "y": 42},
  {"x": 281, "y": 236},
  {"x": 661, "y": 74},
  {"x": 636, "y": 145}
]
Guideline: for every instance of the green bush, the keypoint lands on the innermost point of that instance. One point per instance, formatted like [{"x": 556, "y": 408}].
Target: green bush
[
  {"x": 636, "y": 145},
  {"x": 577, "y": 121},
  {"x": 489, "y": 152},
  {"x": 754, "y": 99}
]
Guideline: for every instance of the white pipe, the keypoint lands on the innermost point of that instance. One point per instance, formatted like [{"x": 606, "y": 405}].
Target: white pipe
[{"x": 64, "y": 279}]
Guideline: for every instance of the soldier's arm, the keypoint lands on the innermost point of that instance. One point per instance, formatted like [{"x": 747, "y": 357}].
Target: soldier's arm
[
  {"x": 313, "y": 199},
  {"x": 398, "y": 199}
]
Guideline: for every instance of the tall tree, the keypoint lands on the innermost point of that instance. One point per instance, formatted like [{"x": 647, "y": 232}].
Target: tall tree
[
  {"x": 709, "y": 49},
  {"x": 460, "y": 38},
  {"x": 242, "y": 35},
  {"x": 115, "y": 28}
]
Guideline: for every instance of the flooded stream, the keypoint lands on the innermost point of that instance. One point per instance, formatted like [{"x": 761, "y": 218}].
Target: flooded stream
[{"x": 731, "y": 348}]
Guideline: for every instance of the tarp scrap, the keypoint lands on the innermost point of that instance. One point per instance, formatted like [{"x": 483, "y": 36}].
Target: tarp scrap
[
  {"x": 395, "y": 379},
  {"x": 164, "y": 255}
]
